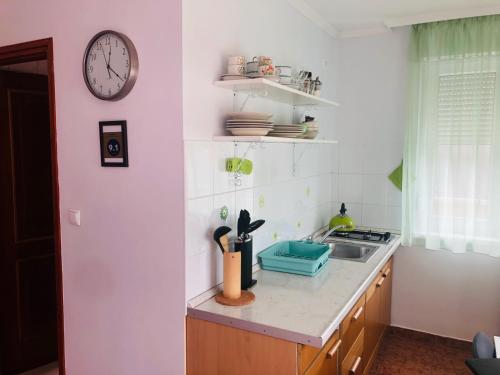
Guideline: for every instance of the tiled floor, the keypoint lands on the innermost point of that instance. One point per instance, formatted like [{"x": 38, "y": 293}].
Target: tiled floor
[
  {"x": 50, "y": 369},
  {"x": 408, "y": 352}
]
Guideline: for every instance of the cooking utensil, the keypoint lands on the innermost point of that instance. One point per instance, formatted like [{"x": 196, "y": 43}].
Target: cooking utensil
[
  {"x": 342, "y": 219},
  {"x": 255, "y": 225},
  {"x": 220, "y": 236},
  {"x": 243, "y": 222}
]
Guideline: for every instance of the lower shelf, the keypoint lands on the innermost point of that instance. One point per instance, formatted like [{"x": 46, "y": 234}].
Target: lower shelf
[{"x": 268, "y": 139}]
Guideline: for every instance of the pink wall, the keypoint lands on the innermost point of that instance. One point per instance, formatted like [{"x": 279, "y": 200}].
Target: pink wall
[{"x": 124, "y": 267}]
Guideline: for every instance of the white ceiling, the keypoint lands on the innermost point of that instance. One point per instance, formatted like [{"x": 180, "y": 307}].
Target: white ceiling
[{"x": 348, "y": 18}]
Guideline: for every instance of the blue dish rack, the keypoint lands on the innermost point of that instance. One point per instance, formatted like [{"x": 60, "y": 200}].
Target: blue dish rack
[{"x": 303, "y": 258}]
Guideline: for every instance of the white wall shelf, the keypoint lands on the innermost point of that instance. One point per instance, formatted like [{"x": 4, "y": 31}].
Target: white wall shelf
[
  {"x": 275, "y": 91},
  {"x": 267, "y": 139}
]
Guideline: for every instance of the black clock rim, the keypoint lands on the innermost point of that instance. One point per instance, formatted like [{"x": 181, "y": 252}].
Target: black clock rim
[{"x": 133, "y": 68}]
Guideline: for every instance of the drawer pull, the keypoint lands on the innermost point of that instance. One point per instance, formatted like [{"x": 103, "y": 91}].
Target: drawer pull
[
  {"x": 355, "y": 366},
  {"x": 380, "y": 282},
  {"x": 358, "y": 313},
  {"x": 334, "y": 349},
  {"x": 387, "y": 272}
]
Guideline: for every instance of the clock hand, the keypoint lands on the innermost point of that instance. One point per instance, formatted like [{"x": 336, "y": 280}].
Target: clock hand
[
  {"x": 109, "y": 56},
  {"x": 110, "y": 68},
  {"x": 107, "y": 64}
]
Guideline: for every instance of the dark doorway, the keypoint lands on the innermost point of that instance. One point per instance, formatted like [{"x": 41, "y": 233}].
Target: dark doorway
[{"x": 30, "y": 271}]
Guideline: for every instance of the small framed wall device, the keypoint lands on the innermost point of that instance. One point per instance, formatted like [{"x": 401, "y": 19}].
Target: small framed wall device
[{"x": 113, "y": 139}]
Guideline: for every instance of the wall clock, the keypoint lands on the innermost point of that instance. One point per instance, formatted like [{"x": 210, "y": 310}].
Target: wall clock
[{"x": 110, "y": 65}]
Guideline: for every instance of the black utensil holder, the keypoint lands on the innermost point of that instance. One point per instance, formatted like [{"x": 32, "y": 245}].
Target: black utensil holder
[{"x": 245, "y": 247}]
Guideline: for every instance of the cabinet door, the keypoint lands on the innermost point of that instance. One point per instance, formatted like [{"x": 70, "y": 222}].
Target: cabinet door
[
  {"x": 386, "y": 289},
  {"x": 373, "y": 318},
  {"x": 327, "y": 362}
]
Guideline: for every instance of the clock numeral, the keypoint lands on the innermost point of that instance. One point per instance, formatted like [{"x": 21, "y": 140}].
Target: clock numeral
[
  {"x": 100, "y": 87},
  {"x": 94, "y": 81},
  {"x": 126, "y": 63},
  {"x": 116, "y": 43},
  {"x": 108, "y": 41},
  {"x": 119, "y": 86},
  {"x": 124, "y": 51},
  {"x": 91, "y": 68},
  {"x": 93, "y": 56},
  {"x": 109, "y": 92},
  {"x": 125, "y": 76},
  {"x": 99, "y": 46}
]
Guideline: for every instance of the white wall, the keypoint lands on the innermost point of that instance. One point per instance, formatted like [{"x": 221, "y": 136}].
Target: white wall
[
  {"x": 439, "y": 292},
  {"x": 293, "y": 206},
  {"x": 123, "y": 269},
  {"x": 371, "y": 126}
]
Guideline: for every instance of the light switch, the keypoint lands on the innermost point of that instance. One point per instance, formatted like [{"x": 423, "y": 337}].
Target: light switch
[{"x": 74, "y": 217}]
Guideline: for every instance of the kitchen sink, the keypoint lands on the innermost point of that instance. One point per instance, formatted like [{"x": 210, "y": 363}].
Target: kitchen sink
[{"x": 351, "y": 251}]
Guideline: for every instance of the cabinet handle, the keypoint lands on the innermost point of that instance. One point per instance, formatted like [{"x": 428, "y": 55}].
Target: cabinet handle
[
  {"x": 358, "y": 313},
  {"x": 334, "y": 349},
  {"x": 387, "y": 272},
  {"x": 380, "y": 282},
  {"x": 355, "y": 366}
]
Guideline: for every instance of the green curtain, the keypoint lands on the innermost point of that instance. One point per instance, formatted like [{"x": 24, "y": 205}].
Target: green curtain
[{"x": 451, "y": 169}]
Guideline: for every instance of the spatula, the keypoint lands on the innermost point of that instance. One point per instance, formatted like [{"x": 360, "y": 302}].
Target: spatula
[{"x": 220, "y": 236}]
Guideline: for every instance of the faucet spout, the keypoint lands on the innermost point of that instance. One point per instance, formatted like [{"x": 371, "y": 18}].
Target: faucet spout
[{"x": 325, "y": 236}]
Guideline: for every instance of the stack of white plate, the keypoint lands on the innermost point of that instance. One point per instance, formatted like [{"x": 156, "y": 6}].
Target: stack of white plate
[
  {"x": 233, "y": 77},
  {"x": 249, "y": 123},
  {"x": 287, "y": 130}
]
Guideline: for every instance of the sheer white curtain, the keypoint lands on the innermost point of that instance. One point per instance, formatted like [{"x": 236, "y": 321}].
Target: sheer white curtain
[{"x": 451, "y": 178}]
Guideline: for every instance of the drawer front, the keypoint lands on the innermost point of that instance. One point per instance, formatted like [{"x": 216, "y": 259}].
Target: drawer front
[
  {"x": 353, "y": 361},
  {"x": 327, "y": 362},
  {"x": 351, "y": 326}
]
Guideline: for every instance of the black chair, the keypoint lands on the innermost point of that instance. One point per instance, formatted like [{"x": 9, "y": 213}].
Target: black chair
[{"x": 483, "y": 346}]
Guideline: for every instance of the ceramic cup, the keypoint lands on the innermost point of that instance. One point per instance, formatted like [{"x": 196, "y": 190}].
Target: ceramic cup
[
  {"x": 264, "y": 60},
  {"x": 266, "y": 70},
  {"x": 284, "y": 70},
  {"x": 236, "y": 69},
  {"x": 236, "y": 60},
  {"x": 253, "y": 67}
]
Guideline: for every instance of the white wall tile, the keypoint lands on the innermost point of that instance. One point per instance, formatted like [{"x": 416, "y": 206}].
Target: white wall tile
[
  {"x": 351, "y": 188},
  {"x": 221, "y": 201},
  {"x": 393, "y": 217},
  {"x": 374, "y": 189},
  {"x": 374, "y": 216},
  {"x": 202, "y": 272},
  {"x": 394, "y": 195},
  {"x": 351, "y": 158},
  {"x": 199, "y": 168},
  {"x": 199, "y": 225}
]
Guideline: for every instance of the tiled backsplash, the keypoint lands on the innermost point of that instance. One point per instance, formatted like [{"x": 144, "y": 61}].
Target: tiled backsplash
[{"x": 293, "y": 203}]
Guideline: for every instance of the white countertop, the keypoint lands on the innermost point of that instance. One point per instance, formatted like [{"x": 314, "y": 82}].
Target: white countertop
[{"x": 298, "y": 308}]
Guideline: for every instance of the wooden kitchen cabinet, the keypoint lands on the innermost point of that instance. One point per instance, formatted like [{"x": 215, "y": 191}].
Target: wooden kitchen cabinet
[
  {"x": 327, "y": 362},
  {"x": 215, "y": 349},
  {"x": 351, "y": 326},
  {"x": 353, "y": 361},
  {"x": 377, "y": 314},
  {"x": 387, "y": 294}
]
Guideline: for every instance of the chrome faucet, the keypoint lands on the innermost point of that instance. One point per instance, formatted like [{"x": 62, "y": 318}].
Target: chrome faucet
[{"x": 325, "y": 236}]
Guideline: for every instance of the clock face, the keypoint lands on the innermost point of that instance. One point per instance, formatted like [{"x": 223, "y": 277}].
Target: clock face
[{"x": 110, "y": 65}]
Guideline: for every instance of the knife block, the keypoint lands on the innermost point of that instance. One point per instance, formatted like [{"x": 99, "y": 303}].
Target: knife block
[{"x": 246, "y": 250}]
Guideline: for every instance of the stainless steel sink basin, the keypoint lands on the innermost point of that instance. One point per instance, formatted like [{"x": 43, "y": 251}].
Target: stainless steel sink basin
[{"x": 351, "y": 251}]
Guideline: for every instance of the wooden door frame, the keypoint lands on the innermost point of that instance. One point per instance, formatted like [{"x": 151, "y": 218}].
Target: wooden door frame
[{"x": 33, "y": 51}]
